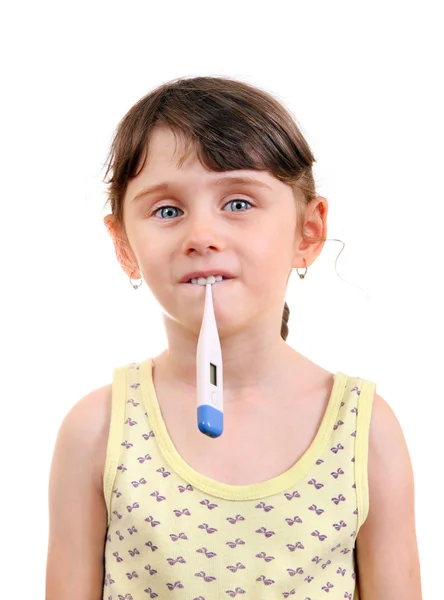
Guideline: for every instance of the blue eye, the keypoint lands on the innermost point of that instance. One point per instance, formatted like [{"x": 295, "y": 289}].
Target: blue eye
[{"x": 238, "y": 200}]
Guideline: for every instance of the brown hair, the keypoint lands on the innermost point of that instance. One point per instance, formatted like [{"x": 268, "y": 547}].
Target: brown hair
[{"x": 231, "y": 125}]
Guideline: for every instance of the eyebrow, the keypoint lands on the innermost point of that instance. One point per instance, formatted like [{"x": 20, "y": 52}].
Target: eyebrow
[{"x": 227, "y": 180}]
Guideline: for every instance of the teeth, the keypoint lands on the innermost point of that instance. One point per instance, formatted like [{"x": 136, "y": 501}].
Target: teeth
[{"x": 205, "y": 280}]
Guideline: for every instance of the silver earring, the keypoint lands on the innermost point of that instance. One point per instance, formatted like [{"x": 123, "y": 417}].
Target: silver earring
[
  {"x": 135, "y": 286},
  {"x": 302, "y": 275}
]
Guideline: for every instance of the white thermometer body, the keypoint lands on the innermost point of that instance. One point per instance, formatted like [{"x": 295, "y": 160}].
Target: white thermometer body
[{"x": 209, "y": 380}]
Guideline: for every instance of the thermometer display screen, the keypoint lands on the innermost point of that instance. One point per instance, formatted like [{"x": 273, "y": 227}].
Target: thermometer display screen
[{"x": 213, "y": 374}]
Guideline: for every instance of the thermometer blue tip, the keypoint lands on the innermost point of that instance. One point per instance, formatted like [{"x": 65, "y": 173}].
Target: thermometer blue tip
[{"x": 210, "y": 420}]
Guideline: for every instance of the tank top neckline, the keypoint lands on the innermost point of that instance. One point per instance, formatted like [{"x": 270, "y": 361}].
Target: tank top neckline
[{"x": 255, "y": 491}]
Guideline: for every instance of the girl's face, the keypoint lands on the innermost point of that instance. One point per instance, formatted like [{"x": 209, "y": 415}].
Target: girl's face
[{"x": 200, "y": 223}]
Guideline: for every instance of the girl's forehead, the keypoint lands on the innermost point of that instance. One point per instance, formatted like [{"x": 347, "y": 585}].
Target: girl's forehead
[
  {"x": 166, "y": 144},
  {"x": 169, "y": 164},
  {"x": 163, "y": 171}
]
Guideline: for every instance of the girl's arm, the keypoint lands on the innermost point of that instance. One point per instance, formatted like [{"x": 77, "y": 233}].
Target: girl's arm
[
  {"x": 77, "y": 509},
  {"x": 386, "y": 546}
]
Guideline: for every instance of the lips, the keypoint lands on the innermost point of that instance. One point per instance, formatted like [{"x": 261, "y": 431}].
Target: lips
[
  {"x": 196, "y": 274},
  {"x": 201, "y": 285},
  {"x": 216, "y": 284},
  {"x": 223, "y": 279}
]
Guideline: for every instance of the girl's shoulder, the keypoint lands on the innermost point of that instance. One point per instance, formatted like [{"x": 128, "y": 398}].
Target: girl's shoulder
[
  {"x": 77, "y": 506},
  {"x": 90, "y": 418},
  {"x": 101, "y": 414}
]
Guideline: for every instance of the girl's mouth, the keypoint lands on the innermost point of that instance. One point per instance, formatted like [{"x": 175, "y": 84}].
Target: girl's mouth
[{"x": 203, "y": 285}]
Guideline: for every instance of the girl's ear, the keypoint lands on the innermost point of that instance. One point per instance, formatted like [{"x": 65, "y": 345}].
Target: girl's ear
[
  {"x": 122, "y": 248},
  {"x": 314, "y": 232}
]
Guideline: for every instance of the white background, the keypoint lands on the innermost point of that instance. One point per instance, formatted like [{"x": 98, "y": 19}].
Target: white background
[{"x": 363, "y": 81}]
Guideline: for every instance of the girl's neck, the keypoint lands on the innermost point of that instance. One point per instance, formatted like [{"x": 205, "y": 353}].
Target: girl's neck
[{"x": 244, "y": 379}]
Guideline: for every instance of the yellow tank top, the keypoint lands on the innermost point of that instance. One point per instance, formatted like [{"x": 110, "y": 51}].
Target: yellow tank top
[{"x": 174, "y": 533}]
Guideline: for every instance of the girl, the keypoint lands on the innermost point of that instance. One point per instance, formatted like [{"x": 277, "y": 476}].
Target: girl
[{"x": 309, "y": 491}]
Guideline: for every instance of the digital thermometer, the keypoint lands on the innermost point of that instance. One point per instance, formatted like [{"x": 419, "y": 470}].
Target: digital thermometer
[{"x": 210, "y": 412}]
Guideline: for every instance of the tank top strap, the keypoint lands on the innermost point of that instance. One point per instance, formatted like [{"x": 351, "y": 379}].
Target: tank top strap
[
  {"x": 354, "y": 415},
  {"x": 125, "y": 389}
]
